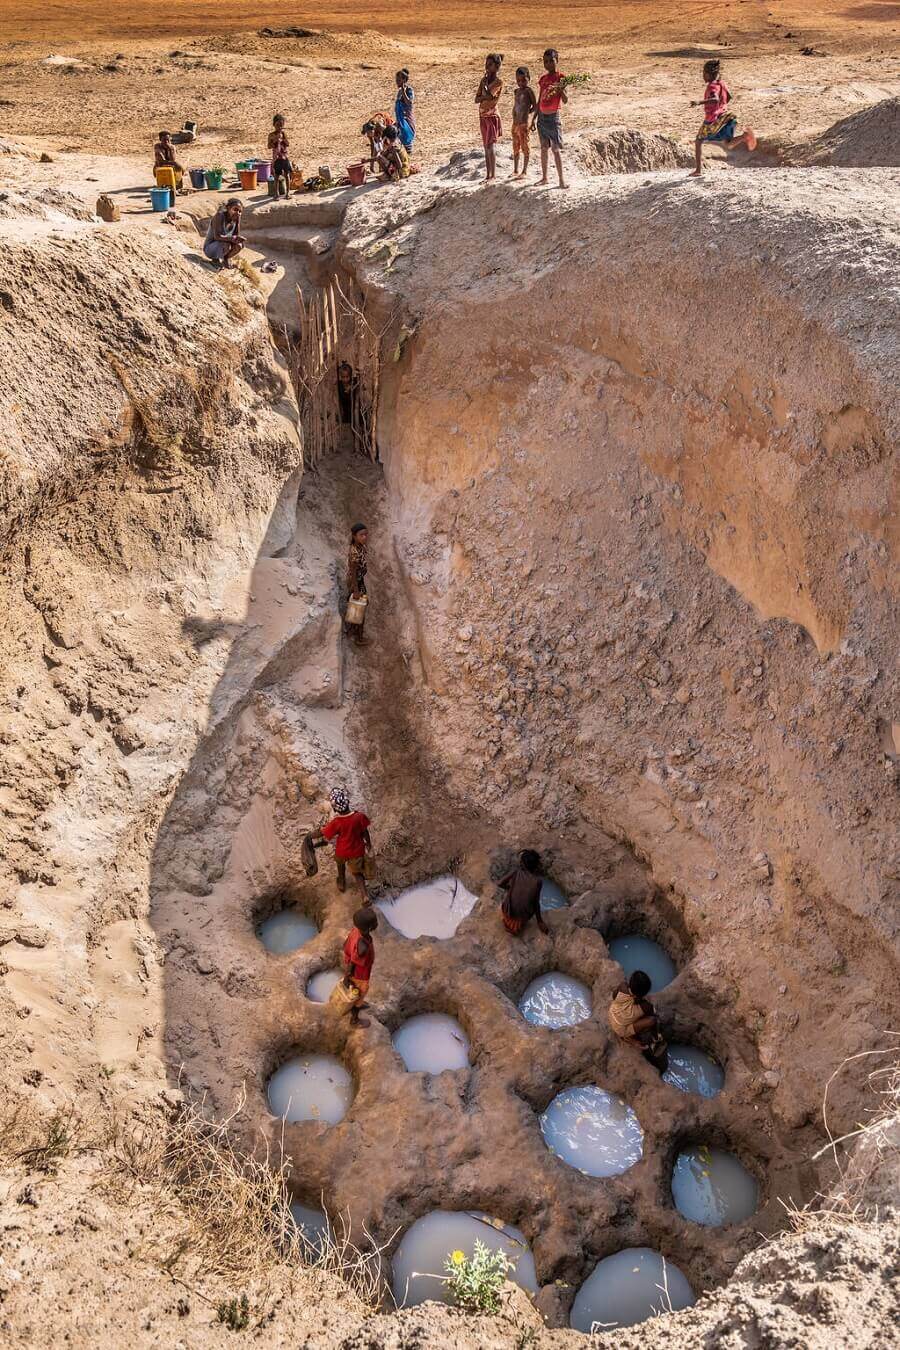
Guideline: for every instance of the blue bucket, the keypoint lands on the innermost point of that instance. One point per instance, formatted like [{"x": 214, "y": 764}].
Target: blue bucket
[{"x": 159, "y": 198}]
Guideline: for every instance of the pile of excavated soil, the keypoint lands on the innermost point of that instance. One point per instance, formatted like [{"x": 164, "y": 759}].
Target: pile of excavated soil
[{"x": 862, "y": 140}]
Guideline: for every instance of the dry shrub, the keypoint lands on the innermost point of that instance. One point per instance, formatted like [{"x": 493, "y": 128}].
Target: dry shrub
[
  {"x": 38, "y": 1140},
  {"x": 853, "y": 1200}
]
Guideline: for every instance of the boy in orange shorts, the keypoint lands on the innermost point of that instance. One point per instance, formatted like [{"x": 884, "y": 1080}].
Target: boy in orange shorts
[
  {"x": 524, "y": 105},
  {"x": 357, "y": 962}
]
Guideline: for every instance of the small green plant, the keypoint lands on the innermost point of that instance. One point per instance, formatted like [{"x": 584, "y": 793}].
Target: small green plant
[
  {"x": 106, "y": 1071},
  {"x": 476, "y": 1283},
  {"x": 234, "y": 1313},
  {"x": 57, "y": 1143}
]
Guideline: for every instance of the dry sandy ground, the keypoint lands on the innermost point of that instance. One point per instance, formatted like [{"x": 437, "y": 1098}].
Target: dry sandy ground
[{"x": 160, "y": 63}]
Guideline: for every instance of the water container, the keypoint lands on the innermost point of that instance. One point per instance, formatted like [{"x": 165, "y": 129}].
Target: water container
[
  {"x": 248, "y": 179},
  {"x": 357, "y": 174},
  {"x": 198, "y": 178},
  {"x": 214, "y": 180},
  {"x": 159, "y": 198},
  {"x": 263, "y": 170},
  {"x": 356, "y": 609}
]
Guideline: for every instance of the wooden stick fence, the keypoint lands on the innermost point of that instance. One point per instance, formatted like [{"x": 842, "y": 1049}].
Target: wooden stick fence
[{"x": 334, "y": 328}]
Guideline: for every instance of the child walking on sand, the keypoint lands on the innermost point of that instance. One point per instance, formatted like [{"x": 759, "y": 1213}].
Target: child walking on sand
[
  {"x": 718, "y": 123},
  {"x": 487, "y": 97},
  {"x": 524, "y": 106},
  {"x": 552, "y": 94}
]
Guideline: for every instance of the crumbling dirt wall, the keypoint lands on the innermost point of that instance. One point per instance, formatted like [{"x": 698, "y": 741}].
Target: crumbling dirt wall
[
  {"x": 147, "y": 436},
  {"x": 644, "y": 486}
]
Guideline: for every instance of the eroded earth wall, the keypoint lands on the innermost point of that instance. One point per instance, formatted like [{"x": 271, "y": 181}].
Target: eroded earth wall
[
  {"x": 148, "y": 434},
  {"x": 643, "y": 470}
]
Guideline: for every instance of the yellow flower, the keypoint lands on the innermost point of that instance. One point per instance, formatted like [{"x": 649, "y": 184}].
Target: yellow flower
[{"x": 457, "y": 1257}]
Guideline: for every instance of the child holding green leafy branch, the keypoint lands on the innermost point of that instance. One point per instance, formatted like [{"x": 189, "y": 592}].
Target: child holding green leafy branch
[{"x": 553, "y": 85}]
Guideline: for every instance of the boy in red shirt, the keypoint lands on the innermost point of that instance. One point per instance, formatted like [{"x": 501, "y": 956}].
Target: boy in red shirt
[
  {"x": 358, "y": 959},
  {"x": 718, "y": 123},
  {"x": 350, "y": 832},
  {"x": 552, "y": 92}
]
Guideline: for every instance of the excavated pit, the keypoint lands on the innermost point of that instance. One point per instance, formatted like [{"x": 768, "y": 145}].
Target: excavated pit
[
  {"x": 631, "y": 607},
  {"x": 475, "y": 1131}
]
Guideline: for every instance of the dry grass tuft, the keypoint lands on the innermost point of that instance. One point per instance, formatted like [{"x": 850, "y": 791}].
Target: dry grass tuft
[
  {"x": 40, "y": 1141},
  {"x": 249, "y": 272},
  {"x": 851, "y": 1201},
  {"x": 228, "y": 1211}
]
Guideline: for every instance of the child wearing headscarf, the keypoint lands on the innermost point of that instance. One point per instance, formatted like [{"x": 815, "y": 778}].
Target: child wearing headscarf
[{"x": 350, "y": 832}]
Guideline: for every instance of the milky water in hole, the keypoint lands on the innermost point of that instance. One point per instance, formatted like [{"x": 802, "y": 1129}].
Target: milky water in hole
[
  {"x": 320, "y": 985},
  {"x": 551, "y": 895},
  {"x": 431, "y": 1043},
  {"x": 712, "y": 1187},
  {"x": 286, "y": 931},
  {"x": 629, "y": 1287},
  {"x": 635, "y": 952},
  {"x": 311, "y": 1087},
  {"x": 313, "y": 1224},
  {"x": 690, "y": 1070},
  {"x": 425, "y": 1247},
  {"x": 593, "y": 1131},
  {"x": 555, "y": 1000},
  {"x": 433, "y": 909}
]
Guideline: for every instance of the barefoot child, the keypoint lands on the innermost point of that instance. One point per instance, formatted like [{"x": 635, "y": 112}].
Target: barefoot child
[
  {"x": 373, "y": 130},
  {"x": 278, "y": 154},
  {"x": 487, "y": 96},
  {"x": 524, "y": 105},
  {"x": 394, "y": 157},
  {"x": 350, "y": 832},
  {"x": 522, "y": 902},
  {"x": 357, "y": 962},
  {"x": 552, "y": 94},
  {"x": 718, "y": 123}
]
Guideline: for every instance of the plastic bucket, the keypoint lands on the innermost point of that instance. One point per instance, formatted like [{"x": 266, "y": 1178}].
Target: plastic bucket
[
  {"x": 198, "y": 178},
  {"x": 248, "y": 179},
  {"x": 356, "y": 609},
  {"x": 357, "y": 174},
  {"x": 263, "y": 170},
  {"x": 243, "y": 164},
  {"x": 213, "y": 180},
  {"x": 159, "y": 198}
]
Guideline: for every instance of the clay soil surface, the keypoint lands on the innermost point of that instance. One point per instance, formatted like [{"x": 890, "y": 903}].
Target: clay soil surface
[{"x": 794, "y": 69}]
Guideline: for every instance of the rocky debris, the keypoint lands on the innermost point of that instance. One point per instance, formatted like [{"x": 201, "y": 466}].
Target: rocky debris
[{"x": 290, "y": 32}]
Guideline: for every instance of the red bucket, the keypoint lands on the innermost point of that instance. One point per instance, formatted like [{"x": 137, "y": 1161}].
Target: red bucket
[{"x": 357, "y": 174}]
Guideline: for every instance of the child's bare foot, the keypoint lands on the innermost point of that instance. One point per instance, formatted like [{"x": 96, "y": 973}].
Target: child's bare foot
[
  {"x": 750, "y": 137},
  {"x": 540, "y": 182},
  {"x": 562, "y": 185},
  {"x": 696, "y": 173}
]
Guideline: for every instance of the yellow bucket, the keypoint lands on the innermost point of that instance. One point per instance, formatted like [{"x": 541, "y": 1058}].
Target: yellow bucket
[{"x": 356, "y": 609}]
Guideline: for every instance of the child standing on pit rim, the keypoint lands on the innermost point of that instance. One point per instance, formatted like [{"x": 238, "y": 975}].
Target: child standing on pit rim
[
  {"x": 524, "y": 108},
  {"x": 719, "y": 125},
  {"x": 487, "y": 96},
  {"x": 552, "y": 94}
]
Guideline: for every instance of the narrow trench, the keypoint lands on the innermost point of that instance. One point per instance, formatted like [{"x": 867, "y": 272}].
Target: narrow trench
[{"x": 488, "y": 1098}]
